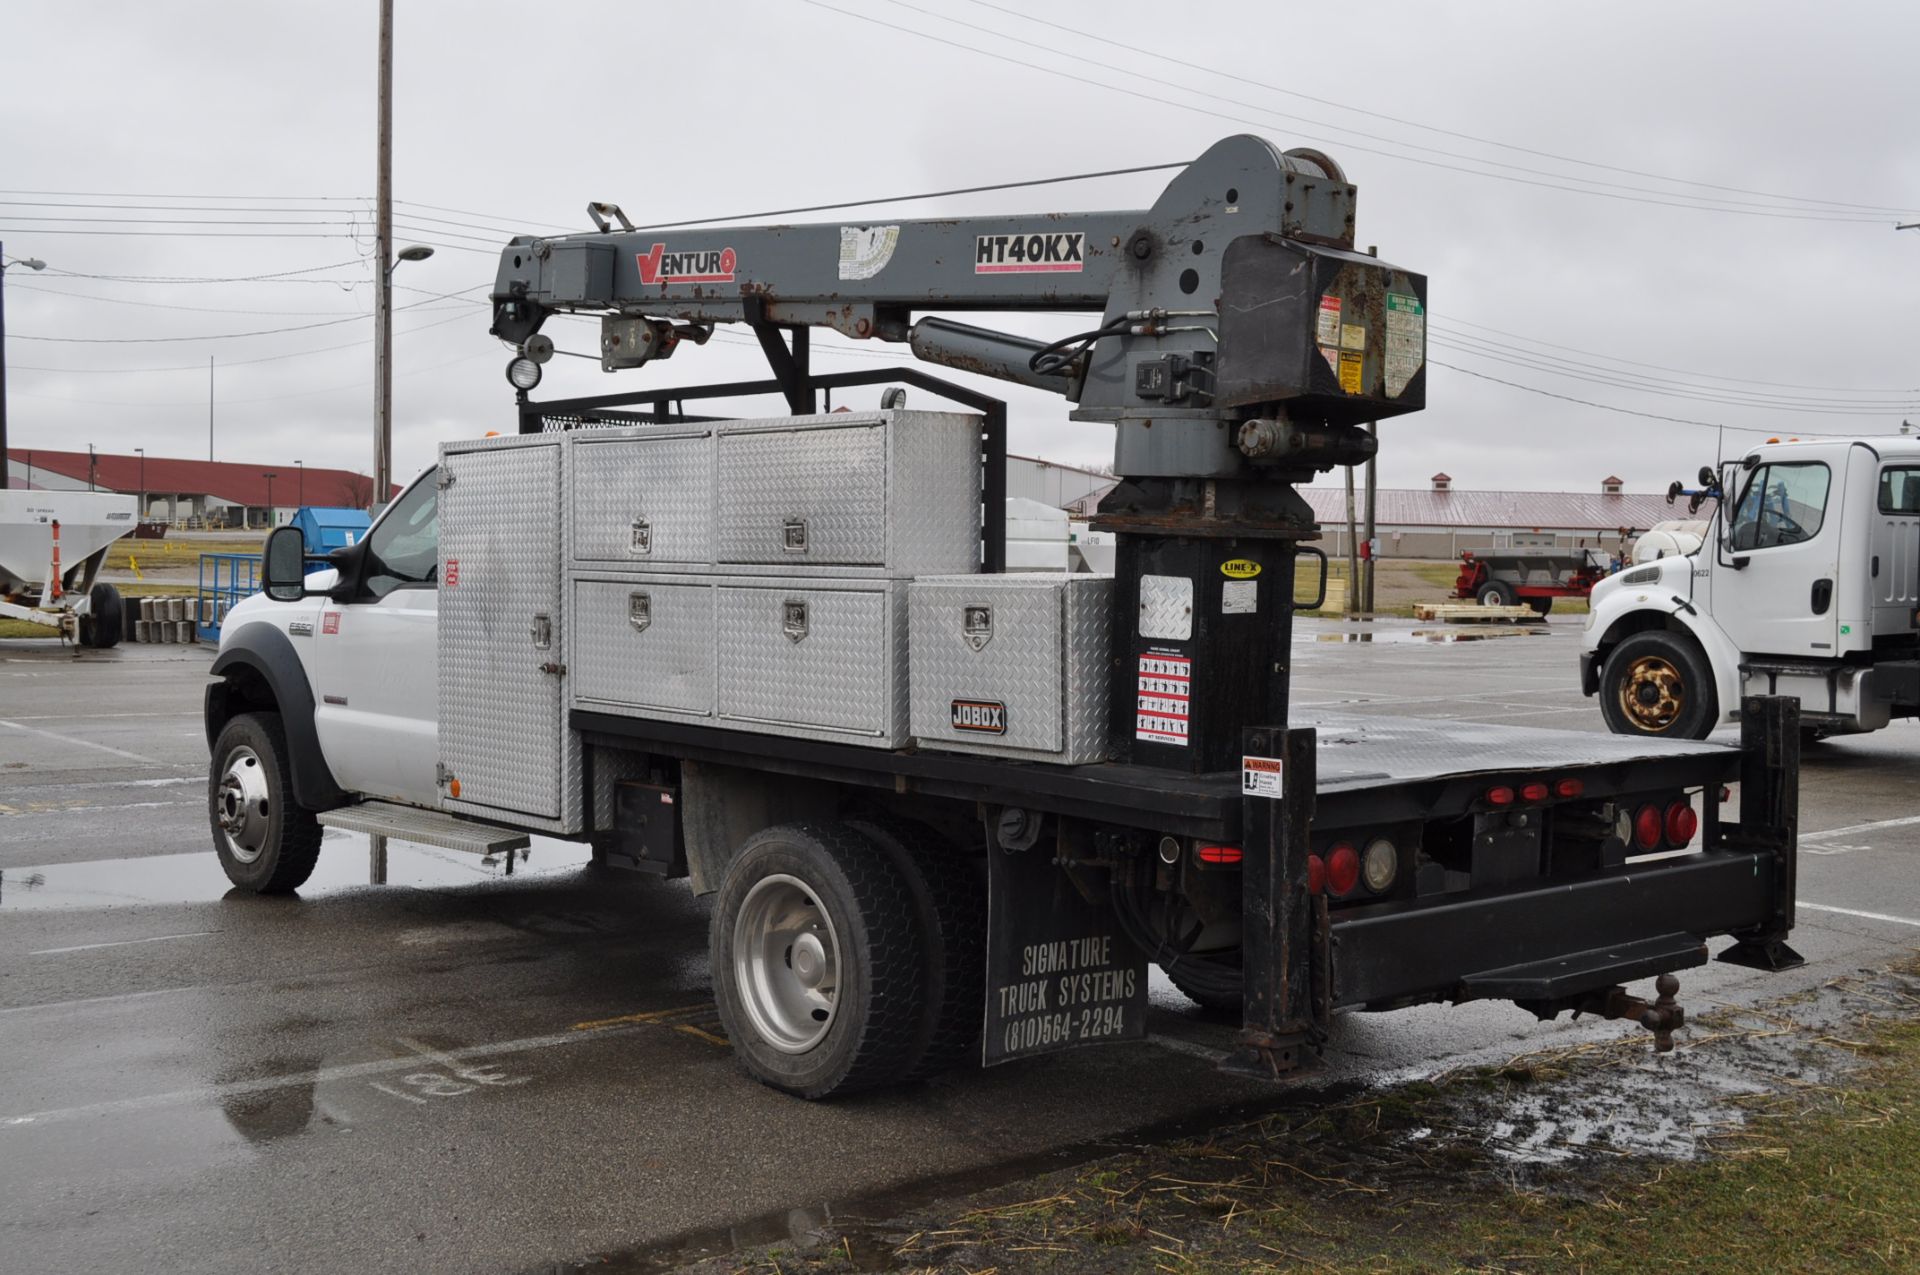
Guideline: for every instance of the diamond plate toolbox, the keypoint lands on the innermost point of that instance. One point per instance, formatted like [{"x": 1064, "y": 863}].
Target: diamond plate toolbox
[
  {"x": 643, "y": 496},
  {"x": 643, "y": 646},
  {"x": 813, "y": 658},
  {"x": 1014, "y": 665},
  {"x": 897, "y": 492}
]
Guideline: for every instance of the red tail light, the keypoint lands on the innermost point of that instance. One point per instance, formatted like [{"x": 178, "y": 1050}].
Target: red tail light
[
  {"x": 1316, "y": 874},
  {"x": 1343, "y": 869},
  {"x": 1500, "y": 796},
  {"x": 1726, "y": 794},
  {"x": 1647, "y": 827},
  {"x": 1682, "y": 823},
  {"x": 1535, "y": 791},
  {"x": 1219, "y": 854},
  {"x": 1569, "y": 788}
]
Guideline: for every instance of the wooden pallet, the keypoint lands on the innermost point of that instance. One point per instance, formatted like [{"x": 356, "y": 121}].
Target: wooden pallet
[{"x": 1467, "y": 612}]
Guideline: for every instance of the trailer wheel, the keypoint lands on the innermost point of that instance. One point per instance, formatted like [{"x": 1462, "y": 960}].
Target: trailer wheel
[
  {"x": 267, "y": 843},
  {"x": 818, "y": 966},
  {"x": 1540, "y": 605},
  {"x": 104, "y": 624},
  {"x": 1658, "y": 683},
  {"x": 1495, "y": 593},
  {"x": 950, "y": 906}
]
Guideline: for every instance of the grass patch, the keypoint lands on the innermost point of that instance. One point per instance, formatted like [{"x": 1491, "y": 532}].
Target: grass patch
[{"x": 155, "y": 555}]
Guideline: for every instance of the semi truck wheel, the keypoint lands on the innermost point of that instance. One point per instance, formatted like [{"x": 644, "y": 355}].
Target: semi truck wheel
[
  {"x": 1658, "y": 683},
  {"x": 818, "y": 966},
  {"x": 950, "y": 907},
  {"x": 1205, "y": 990},
  {"x": 105, "y": 623},
  {"x": 266, "y": 842},
  {"x": 1495, "y": 593}
]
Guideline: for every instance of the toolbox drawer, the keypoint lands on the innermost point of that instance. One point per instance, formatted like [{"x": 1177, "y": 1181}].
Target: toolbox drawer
[
  {"x": 644, "y": 646},
  {"x": 644, "y": 497},
  {"x": 897, "y": 492},
  {"x": 823, "y": 659},
  {"x": 1012, "y": 665}
]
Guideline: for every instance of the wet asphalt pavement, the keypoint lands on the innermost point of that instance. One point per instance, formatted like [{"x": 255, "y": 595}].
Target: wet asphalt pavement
[{"x": 470, "y": 1071}]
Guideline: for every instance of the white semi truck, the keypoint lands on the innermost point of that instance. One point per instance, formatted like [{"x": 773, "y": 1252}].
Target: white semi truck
[
  {"x": 1806, "y": 584},
  {"x": 949, "y": 812}
]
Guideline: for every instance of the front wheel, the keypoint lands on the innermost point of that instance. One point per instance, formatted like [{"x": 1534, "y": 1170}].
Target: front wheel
[
  {"x": 1495, "y": 593},
  {"x": 818, "y": 966},
  {"x": 266, "y": 841},
  {"x": 1658, "y": 683}
]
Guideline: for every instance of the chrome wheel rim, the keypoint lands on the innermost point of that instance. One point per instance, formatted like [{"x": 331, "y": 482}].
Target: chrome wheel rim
[
  {"x": 1652, "y": 694},
  {"x": 786, "y": 962},
  {"x": 241, "y": 805}
]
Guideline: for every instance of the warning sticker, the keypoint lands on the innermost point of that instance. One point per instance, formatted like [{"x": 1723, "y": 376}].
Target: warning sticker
[
  {"x": 450, "y": 574},
  {"x": 1350, "y": 373},
  {"x": 1239, "y": 597},
  {"x": 1353, "y": 337},
  {"x": 329, "y": 623},
  {"x": 1165, "y": 690},
  {"x": 1406, "y": 340},
  {"x": 1260, "y": 777},
  {"x": 1329, "y": 327},
  {"x": 866, "y": 250}
]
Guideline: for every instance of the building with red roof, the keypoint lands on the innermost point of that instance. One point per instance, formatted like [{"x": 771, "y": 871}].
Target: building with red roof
[{"x": 206, "y": 493}]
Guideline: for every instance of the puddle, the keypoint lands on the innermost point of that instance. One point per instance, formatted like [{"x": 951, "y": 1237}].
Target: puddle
[
  {"x": 1418, "y": 636},
  {"x": 197, "y": 878}
]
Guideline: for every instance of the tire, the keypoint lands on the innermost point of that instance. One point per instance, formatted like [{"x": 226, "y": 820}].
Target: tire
[
  {"x": 1658, "y": 683},
  {"x": 1495, "y": 593},
  {"x": 1210, "y": 1001},
  {"x": 267, "y": 843},
  {"x": 950, "y": 911},
  {"x": 105, "y": 622},
  {"x": 818, "y": 964},
  {"x": 1540, "y": 605}
]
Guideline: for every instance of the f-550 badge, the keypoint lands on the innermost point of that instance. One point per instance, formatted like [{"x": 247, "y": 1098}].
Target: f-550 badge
[
  {"x": 1058, "y": 252},
  {"x": 708, "y": 265}
]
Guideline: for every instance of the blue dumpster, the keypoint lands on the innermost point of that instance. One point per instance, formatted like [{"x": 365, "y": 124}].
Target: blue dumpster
[{"x": 328, "y": 529}]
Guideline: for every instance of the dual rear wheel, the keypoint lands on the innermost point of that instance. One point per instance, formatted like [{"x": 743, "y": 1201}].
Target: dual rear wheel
[{"x": 848, "y": 955}]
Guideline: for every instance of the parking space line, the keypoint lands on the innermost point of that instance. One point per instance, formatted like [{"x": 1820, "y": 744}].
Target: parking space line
[
  {"x": 103, "y": 1000},
  {"x": 89, "y": 947},
  {"x": 1868, "y": 916},
  {"x": 83, "y": 743},
  {"x": 1903, "y": 822}
]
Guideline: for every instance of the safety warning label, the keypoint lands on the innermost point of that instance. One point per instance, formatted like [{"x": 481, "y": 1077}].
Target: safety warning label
[
  {"x": 1165, "y": 690},
  {"x": 1260, "y": 777},
  {"x": 1328, "y": 330}
]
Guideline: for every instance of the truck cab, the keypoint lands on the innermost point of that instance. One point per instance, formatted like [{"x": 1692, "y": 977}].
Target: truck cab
[{"x": 1805, "y": 585}]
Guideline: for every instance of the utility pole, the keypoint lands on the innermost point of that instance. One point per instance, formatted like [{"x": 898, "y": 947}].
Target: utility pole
[
  {"x": 209, "y": 407},
  {"x": 1373, "y": 549},
  {"x": 383, "y": 258},
  {"x": 269, "y": 475}
]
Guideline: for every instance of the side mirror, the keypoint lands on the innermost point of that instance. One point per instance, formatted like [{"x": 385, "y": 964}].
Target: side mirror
[{"x": 286, "y": 564}]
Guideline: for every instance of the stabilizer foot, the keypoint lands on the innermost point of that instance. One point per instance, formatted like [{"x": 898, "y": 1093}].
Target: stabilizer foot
[{"x": 1771, "y": 955}]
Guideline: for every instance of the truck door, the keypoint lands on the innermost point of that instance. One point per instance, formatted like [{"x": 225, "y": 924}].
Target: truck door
[
  {"x": 501, "y": 661},
  {"x": 373, "y": 657},
  {"x": 1895, "y": 566},
  {"x": 1782, "y": 601}
]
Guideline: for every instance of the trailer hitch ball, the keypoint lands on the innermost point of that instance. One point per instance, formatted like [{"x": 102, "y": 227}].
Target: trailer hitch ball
[{"x": 1663, "y": 1017}]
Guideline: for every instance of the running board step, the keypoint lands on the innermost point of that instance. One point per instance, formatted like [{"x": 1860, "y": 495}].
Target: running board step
[
  {"x": 1583, "y": 971},
  {"x": 423, "y": 827}
]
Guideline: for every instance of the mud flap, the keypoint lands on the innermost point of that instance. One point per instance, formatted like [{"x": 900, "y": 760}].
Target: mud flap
[{"x": 1060, "y": 972}]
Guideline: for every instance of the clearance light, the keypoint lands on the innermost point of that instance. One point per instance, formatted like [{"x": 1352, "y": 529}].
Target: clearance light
[
  {"x": 1682, "y": 823},
  {"x": 1501, "y": 796},
  {"x": 1726, "y": 794},
  {"x": 1219, "y": 854},
  {"x": 1343, "y": 869},
  {"x": 1535, "y": 791},
  {"x": 1316, "y": 874},
  {"x": 1569, "y": 788},
  {"x": 1382, "y": 861},
  {"x": 1647, "y": 827}
]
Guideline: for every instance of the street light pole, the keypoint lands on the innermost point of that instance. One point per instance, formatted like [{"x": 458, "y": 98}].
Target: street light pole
[
  {"x": 269, "y": 475},
  {"x": 300, "y": 492},
  {"x": 31, "y": 263},
  {"x": 142, "y": 453}
]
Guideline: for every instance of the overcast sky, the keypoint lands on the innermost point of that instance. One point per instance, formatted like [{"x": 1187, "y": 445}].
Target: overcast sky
[{"x": 1678, "y": 209}]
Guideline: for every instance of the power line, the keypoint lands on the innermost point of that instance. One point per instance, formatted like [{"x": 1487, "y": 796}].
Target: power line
[
  {"x": 280, "y": 275},
  {"x": 180, "y": 234},
  {"x": 461, "y": 317},
  {"x": 1216, "y": 73},
  {"x": 1411, "y": 159},
  {"x": 216, "y": 336},
  {"x": 1628, "y": 411},
  {"x": 117, "y": 194},
  {"x": 205, "y": 309}
]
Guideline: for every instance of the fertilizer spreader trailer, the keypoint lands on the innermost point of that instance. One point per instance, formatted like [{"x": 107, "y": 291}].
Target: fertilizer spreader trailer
[
  {"x": 950, "y": 813},
  {"x": 51, "y": 546}
]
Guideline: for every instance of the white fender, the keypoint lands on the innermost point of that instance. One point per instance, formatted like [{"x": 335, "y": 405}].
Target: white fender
[{"x": 1659, "y": 589}]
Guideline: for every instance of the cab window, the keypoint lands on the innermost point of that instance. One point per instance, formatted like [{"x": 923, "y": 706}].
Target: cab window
[
  {"x": 404, "y": 549},
  {"x": 1900, "y": 490},
  {"x": 1782, "y": 505}
]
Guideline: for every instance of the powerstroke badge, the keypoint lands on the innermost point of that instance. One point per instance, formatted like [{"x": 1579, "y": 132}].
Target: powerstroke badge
[
  {"x": 707, "y": 265},
  {"x": 1058, "y": 252},
  {"x": 980, "y": 716}
]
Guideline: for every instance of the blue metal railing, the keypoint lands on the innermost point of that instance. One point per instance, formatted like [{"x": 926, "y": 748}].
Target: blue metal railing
[{"x": 226, "y": 580}]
